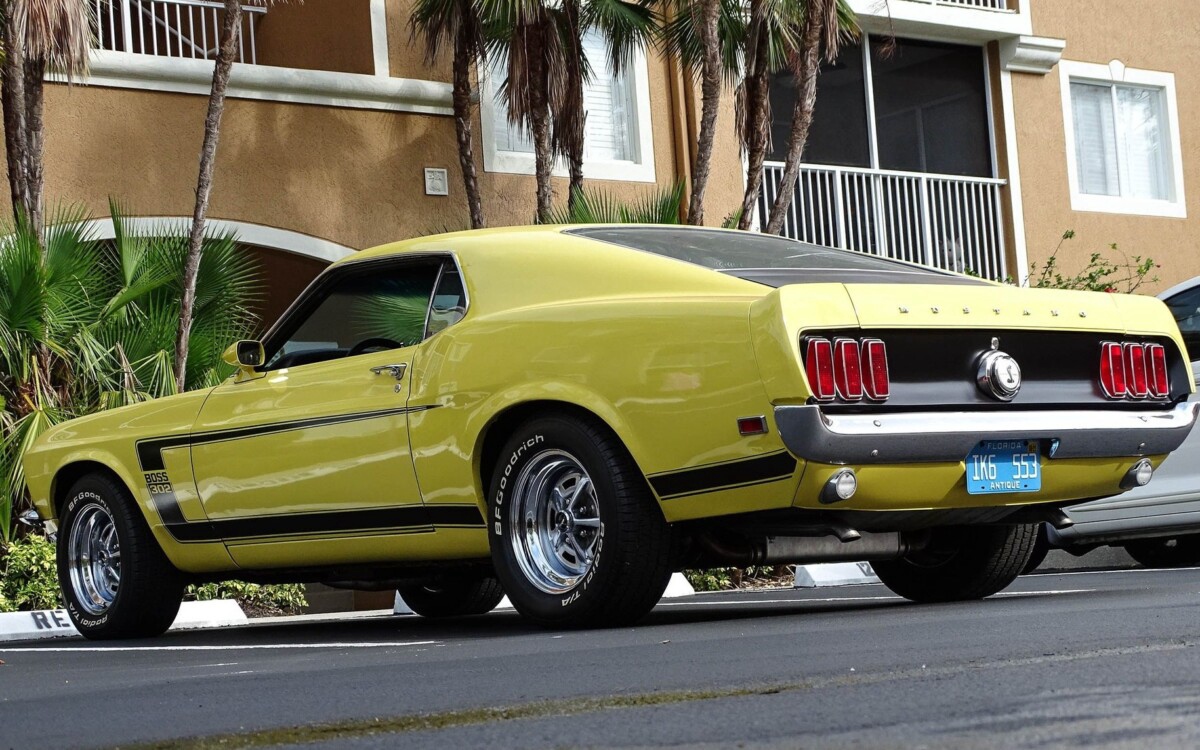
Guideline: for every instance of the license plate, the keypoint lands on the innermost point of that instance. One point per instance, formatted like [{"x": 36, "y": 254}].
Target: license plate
[{"x": 1000, "y": 466}]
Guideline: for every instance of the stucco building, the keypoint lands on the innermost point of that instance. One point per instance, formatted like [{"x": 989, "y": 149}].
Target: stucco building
[{"x": 964, "y": 133}]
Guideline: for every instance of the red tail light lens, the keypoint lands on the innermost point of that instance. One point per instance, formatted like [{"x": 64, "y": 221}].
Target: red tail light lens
[
  {"x": 847, "y": 369},
  {"x": 1137, "y": 377},
  {"x": 875, "y": 370},
  {"x": 1112, "y": 369},
  {"x": 1160, "y": 381},
  {"x": 818, "y": 364}
]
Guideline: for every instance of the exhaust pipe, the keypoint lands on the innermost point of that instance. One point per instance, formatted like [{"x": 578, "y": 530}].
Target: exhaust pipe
[{"x": 837, "y": 546}]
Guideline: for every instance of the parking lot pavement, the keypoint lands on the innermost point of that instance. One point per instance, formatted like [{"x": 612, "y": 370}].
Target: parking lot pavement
[{"x": 1095, "y": 659}]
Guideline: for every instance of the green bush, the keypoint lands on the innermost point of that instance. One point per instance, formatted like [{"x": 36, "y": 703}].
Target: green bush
[
  {"x": 1125, "y": 275},
  {"x": 29, "y": 578},
  {"x": 256, "y": 599}
]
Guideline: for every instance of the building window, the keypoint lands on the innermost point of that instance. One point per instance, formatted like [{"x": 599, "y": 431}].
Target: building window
[
  {"x": 618, "y": 143},
  {"x": 903, "y": 104},
  {"x": 1122, "y": 140}
]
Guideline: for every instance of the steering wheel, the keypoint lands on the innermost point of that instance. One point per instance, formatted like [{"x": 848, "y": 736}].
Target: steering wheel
[{"x": 373, "y": 343}]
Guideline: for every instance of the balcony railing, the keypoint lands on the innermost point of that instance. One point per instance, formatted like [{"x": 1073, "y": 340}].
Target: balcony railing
[
  {"x": 171, "y": 28},
  {"x": 982, "y": 4},
  {"x": 950, "y": 222}
]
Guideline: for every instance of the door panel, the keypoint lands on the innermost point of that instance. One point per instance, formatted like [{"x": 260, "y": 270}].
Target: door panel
[{"x": 314, "y": 451}]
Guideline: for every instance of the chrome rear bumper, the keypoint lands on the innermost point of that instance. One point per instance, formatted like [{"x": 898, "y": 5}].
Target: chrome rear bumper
[{"x": 927, "y": 437}]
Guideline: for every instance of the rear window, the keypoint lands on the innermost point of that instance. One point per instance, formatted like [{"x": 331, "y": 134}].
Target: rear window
[{"x": 765, "y": 258}]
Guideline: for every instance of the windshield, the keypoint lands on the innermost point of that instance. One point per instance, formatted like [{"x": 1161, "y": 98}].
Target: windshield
[{"x": 767, "y": 259}]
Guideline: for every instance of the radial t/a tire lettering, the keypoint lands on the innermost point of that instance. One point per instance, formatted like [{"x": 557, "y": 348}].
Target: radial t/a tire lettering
[
  {"x": 116, "y": 581},
  {"x": 577, "y": 538}
]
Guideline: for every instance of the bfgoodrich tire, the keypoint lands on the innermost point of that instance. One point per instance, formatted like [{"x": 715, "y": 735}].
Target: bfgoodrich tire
[
  {"x": 1171, "y": 552},
  {"x": 963, "y": 563},
  {"x": 577, "y": 539},
  {"x": 453, "y": 596},
  {"x": 116, "y": 582}
]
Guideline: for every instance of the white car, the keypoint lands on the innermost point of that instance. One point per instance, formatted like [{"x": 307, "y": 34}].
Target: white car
[{"x": 1158, "y": 524}]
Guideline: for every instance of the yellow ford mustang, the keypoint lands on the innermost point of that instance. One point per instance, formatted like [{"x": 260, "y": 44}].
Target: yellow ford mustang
[{"x": 567, "y": 415}]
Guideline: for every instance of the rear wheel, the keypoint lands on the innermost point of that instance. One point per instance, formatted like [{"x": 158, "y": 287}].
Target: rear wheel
[
  {"x": 1041, "y": 548},
  {"x": 453, "y": 596},
  {"x": 116, "y": 581},
  {"x": 577, "y": 539},
  {"x": 961, "y": 563},
  {"x": 1171, "y": 552}
]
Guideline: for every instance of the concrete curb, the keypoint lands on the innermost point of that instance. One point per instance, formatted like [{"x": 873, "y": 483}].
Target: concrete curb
[
  {"x": 54, "y": 623},
  {"x": 834, "y": 574}
]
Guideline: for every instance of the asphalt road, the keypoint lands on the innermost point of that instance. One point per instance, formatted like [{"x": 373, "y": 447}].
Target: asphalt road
[{"x": 1102, "y": 660}]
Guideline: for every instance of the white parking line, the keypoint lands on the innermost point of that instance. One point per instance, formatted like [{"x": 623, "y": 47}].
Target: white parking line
[
  {"x": 1102, "y": 572},
  {"x": 234, "y": 647},
  {"x": 892, "y": 598}
]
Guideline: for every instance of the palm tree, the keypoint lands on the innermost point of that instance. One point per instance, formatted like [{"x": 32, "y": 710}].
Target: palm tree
[
  {"x": 105, "y": 312},
  {"x": 524, "y": 34},
  {"x": 706, "y": 36},
  {"x": 772, "y": 40},
  {"x": 38, "y": 36},
  {"x": 821, "y": 36},
  {"x": 626, "y": 27},
  {"x": 457, "y": 22}
]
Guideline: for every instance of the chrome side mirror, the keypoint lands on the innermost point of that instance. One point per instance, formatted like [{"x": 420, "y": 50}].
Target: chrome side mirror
[{"x": 246, "y": 354}]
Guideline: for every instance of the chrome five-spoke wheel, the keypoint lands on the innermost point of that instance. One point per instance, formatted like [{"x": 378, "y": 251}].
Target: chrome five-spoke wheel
[
  {"x": 94, "y": 557},
  {"x": 554, "y": 521}
]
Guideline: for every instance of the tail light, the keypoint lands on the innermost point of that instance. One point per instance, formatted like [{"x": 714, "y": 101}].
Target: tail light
[
  {"x": 818, "y": 363},
  {"x": 847, "y": 369},
  {"x": 1136, "y": 377},
  {"x": 1134, "y": 370},
  {"x": 1160, "y": 382},
  {"x": 875, "y": 370},
  {"x": 1112, "y": 369}
]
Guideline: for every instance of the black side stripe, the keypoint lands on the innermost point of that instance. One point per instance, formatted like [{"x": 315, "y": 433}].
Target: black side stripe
[
  {"x": 772, "y": 467},
  {"x": 150, "y": 451},
  {"x": 399, "y": 518},
  {"x": 414, "y": 517}
]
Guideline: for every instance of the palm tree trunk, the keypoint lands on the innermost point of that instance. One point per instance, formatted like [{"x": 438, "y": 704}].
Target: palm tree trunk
[
  {"x": 539, "y": 120},
  {"x": 710, "y": 92},
  {"x": 575, "y": 121},
  {"x": 35, "y": 135},
  {"x": 808, "y": 65},
  {"x": 462, "y": 130},
  {"x": 230, "y": 29},
  {"x": 13, "y": 99},
  {"x": 757, "y": 106}
]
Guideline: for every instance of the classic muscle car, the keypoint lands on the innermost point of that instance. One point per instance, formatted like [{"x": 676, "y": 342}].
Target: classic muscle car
[{"x": 569, "y": 414}]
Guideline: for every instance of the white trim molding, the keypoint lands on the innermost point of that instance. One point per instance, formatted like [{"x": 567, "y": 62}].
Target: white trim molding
[
  {"x": 1016, "y": 198},
  {"x": 1031, "y": 54},
  {"x": 1115, "y": 72},
  {"x": 248, "y": 233},
  {"x": 379, "y": 39},
  {"x": 515, "y": 162},
  {"x": 352, "y": 90}
]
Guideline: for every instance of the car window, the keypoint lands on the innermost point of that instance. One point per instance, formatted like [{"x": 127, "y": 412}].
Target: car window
[
  {"x": 764, "y": 258},
  {"x": 1185, "y": 306},
  {"x": 367, "y": 310},
  {"x": 449, "y": 301}
]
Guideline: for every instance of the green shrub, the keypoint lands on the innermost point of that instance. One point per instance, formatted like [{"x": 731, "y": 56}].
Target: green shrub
[
  {"x": 29, "y": 578},
  {"x": 1125, "y": 275},
  {"x": 256, "y": 599}
]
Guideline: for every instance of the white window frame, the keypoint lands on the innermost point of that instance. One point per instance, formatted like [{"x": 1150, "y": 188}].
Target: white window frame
[
  {"x": 1117, "y": 74},
  {"x": 519, "y": 162}
]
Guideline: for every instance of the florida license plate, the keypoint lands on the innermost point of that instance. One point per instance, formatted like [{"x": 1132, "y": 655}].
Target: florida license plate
[{"x": 998, "y": 466}]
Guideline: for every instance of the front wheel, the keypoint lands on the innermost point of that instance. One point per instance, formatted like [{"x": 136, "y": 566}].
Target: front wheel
[
  {"x": 116, "y": 581},
  {"x": 577, "y": 539},
  {"x": 1171, "y": 552},
  {"x": 961, "y": 563},
  {"x": 452, "y": 596}
]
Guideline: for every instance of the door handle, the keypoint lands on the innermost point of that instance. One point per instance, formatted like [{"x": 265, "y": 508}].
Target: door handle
[{"x": 396, "y": 371}]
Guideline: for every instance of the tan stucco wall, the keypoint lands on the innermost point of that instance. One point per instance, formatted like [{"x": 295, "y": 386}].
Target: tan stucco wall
[
  {"x": 354, "y": 177},
  {"x": 317, "y": 35},
  {"x": 1163, "y": 38}
]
